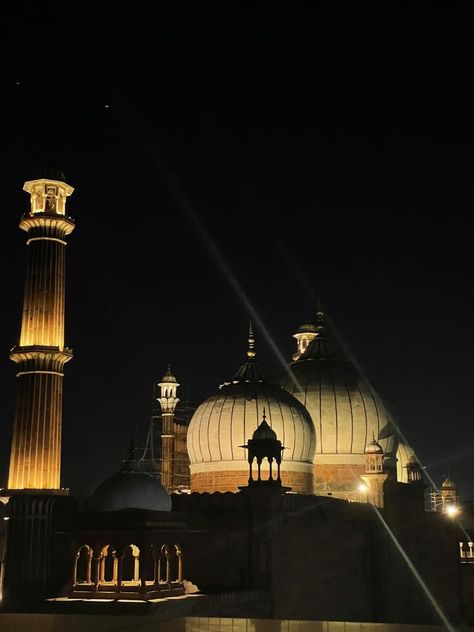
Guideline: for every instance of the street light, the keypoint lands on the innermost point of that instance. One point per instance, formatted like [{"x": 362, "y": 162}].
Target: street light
[{"x": 452, "y": 510}]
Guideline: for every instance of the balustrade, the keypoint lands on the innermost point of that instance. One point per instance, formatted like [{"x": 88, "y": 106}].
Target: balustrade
[{"x": 99, "y": 571}]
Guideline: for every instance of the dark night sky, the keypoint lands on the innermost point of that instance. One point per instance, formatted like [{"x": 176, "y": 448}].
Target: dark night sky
[{"x": 324, "y": 151}]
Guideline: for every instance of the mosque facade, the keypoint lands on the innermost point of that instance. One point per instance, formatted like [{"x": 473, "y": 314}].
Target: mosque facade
[
  {"x": 323, "y": 409},
  {"x": 303, "y": 501}
]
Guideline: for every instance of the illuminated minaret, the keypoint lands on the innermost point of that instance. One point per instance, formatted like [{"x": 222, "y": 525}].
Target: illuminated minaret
[
  {"x": 35, "y": 461},
  {"x": 168, "y": 402}
]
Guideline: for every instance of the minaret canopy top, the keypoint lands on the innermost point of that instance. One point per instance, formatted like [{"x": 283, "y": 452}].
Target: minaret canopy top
[{"x": 48, "y": 196}]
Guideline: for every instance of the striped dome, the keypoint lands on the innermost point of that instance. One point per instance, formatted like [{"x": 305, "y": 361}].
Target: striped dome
[
  {"x": 346, "y": 413},
  {"x": 344, "y": 409},
  {"x": 404, "y": 455},
  {"x": 227, "y": 420}
]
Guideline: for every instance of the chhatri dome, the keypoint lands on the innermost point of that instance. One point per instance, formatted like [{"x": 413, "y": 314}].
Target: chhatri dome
[
  {"x": 346, "y": 413},
  {"x": 227, "y": 420},
  {"x": 373, "y": 447},
  {"x": 168, "y": 377}
]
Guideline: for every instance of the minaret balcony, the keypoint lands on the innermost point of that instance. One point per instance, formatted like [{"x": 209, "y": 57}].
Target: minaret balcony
[
  {"x": 41, "y": 357},
  {"x": 61, "y": 225}
]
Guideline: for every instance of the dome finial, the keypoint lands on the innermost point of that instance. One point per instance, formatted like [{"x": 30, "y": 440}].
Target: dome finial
[
  {"x": 251, "y": 343},
  {"x": 168, "y": 377},
  {"x": 373, "y": 447},
  {"x": 264, "y": 430}
]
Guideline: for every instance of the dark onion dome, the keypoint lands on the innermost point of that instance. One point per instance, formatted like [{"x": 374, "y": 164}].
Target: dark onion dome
[
  {"x": 264, "y": 431},
  {"x": 224, "y": 422},
  {"x": 131, "y": 488}
]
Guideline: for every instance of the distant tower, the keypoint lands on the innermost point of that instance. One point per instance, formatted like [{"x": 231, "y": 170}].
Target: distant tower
[
  {"x": 446, "y": 498},
  {"x": 168, "y": 401},
  {"x": 374, "y": 476},
  {"x": 448, "y": 494},
  {"x": 305, "y": 334},
  {"x": 35, "y": 461}
]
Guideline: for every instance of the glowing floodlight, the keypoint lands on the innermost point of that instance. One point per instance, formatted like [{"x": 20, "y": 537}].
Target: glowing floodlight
[
  {"x": 362, "y": 488},
  {"x": 452, "y": 510}
]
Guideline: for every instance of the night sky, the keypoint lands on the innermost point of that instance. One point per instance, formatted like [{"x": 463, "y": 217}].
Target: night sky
[{"x": 289, "y": 152}]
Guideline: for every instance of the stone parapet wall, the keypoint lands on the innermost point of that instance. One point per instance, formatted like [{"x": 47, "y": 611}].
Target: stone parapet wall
[
  {"x": 338, "y": 479},
  {"x": 229, "y": 481}
]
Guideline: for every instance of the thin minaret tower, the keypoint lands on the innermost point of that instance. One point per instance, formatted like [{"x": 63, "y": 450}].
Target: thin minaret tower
[
  {"x": 168, "y": 402},
  {"x": 35, "y": 461}
]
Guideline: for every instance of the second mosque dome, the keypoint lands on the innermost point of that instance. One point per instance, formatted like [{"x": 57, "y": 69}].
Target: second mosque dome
[{"x": 225, "y": 421}]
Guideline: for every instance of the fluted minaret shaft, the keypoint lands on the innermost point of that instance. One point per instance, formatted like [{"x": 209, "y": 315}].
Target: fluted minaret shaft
[
  {"x": 168, "y": 402},
  {"x": 35, "y": 461}
]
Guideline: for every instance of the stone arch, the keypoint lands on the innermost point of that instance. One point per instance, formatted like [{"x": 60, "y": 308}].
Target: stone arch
[
  {"x": 108, "y": 565},
  {"x": 82, "y": 570},
  {"x": 148, "y": 566},
  {"x": 178, "y": 554},
  {"x": 129, "y": 570},
  {"x": 164, "y": 566}
]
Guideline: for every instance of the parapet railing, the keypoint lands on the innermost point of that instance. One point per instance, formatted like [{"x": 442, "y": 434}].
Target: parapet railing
[{"x": 466, "y": 553}]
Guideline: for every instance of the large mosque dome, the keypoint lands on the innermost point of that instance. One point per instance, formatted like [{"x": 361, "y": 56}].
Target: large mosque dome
[
  {"x": 225, "y": 421},
  {"x": 346, "y": 412}
]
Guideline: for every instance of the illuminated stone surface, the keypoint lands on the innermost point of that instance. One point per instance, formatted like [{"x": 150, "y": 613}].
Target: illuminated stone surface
[
  {"x": 345, "y": 411},
  {"x": 101, "y": 623},
  {"x": 35, "y": 461},
  {"x": 224, "y": 422}
]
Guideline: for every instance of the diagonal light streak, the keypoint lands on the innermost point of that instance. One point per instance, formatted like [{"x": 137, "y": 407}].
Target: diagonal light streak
[
  {"x": 177, "y": 193},
  {"x": 414, "y": 571}
]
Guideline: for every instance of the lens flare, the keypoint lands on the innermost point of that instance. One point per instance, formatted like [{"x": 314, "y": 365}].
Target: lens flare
[
  {"x": 452, "y": 510},
  {"x": 415, "y": 572}
]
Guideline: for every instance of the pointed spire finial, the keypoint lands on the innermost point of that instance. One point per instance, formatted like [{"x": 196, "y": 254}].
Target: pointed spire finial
[
  {"x": 264, "y": 417},
  {"x": 168, "y": 376},
  {"x": 251, "y": 343}
]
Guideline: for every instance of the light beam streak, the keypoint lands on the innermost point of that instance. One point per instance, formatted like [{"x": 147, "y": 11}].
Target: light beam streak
[
  {"x": 415, "y": 572},
  {"x": 187, "y": 208}
]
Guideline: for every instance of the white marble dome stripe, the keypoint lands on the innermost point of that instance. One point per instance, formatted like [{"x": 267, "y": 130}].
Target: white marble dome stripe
[
  {"x": 226, "y": 421},
  {"x": 342, "y": 406}
]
